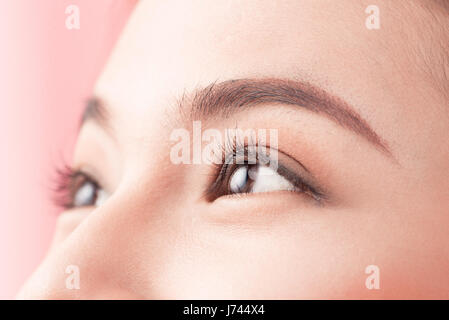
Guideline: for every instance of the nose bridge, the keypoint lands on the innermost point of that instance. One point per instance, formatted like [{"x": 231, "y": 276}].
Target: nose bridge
[{"x": 100, "y": 259}]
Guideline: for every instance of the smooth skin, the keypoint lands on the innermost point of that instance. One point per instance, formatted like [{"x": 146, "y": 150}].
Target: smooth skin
[{"x": 157, "y": 237}]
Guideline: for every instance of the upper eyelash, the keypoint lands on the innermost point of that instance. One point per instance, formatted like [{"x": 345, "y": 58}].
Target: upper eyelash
[{"x": 61, "y": 191}]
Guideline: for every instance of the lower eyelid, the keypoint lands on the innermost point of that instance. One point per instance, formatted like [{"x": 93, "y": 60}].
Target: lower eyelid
[{"x": 264, "y": 209}]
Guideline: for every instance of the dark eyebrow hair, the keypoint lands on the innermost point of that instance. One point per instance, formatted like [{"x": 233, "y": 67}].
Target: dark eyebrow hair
[{"x": 226, "y": 97}]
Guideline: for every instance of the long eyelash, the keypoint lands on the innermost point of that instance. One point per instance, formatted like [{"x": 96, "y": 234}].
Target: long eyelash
[
  {"x": 223, "y": 150},
  {"x": 231, "y": 147},
  {"x": 62, "y": 192},
  {"x": 228, "y": 152}
]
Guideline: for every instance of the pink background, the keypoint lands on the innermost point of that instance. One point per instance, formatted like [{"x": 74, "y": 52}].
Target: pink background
[{"x": 46, "y": 73}]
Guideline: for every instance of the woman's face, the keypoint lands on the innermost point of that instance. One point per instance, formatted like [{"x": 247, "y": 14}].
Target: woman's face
[{"x": 359, "y": 122}]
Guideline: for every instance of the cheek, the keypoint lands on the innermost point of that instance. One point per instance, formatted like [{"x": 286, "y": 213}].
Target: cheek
[
  {"x": 164, "y": 249},
  {"x": 311, "y": 256},
  {"x": 305, "y": 258},
  {"x": 66, "y": 223}
]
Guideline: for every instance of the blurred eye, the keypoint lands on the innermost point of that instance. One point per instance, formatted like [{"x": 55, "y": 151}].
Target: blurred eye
[
  {"x": 77, "y": 189},
  {"x": 88, "y": 194}
]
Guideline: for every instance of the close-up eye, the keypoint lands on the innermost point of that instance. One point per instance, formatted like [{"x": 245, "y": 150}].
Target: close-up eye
[
  {"x": 77, "y": 189},
  {"x": 245, "y": 172}
]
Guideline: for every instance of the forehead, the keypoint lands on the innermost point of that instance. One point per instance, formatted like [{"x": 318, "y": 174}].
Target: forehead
[{"x": 170, "y": 47}]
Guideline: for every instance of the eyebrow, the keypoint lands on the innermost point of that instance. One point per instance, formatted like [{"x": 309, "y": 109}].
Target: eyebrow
[
  {"x": 95, "y": 110},
  {"x": 228, "y": 97}
]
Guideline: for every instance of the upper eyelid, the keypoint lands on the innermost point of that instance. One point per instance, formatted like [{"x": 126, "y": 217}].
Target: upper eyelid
[{"x": 93, "y": 175}]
